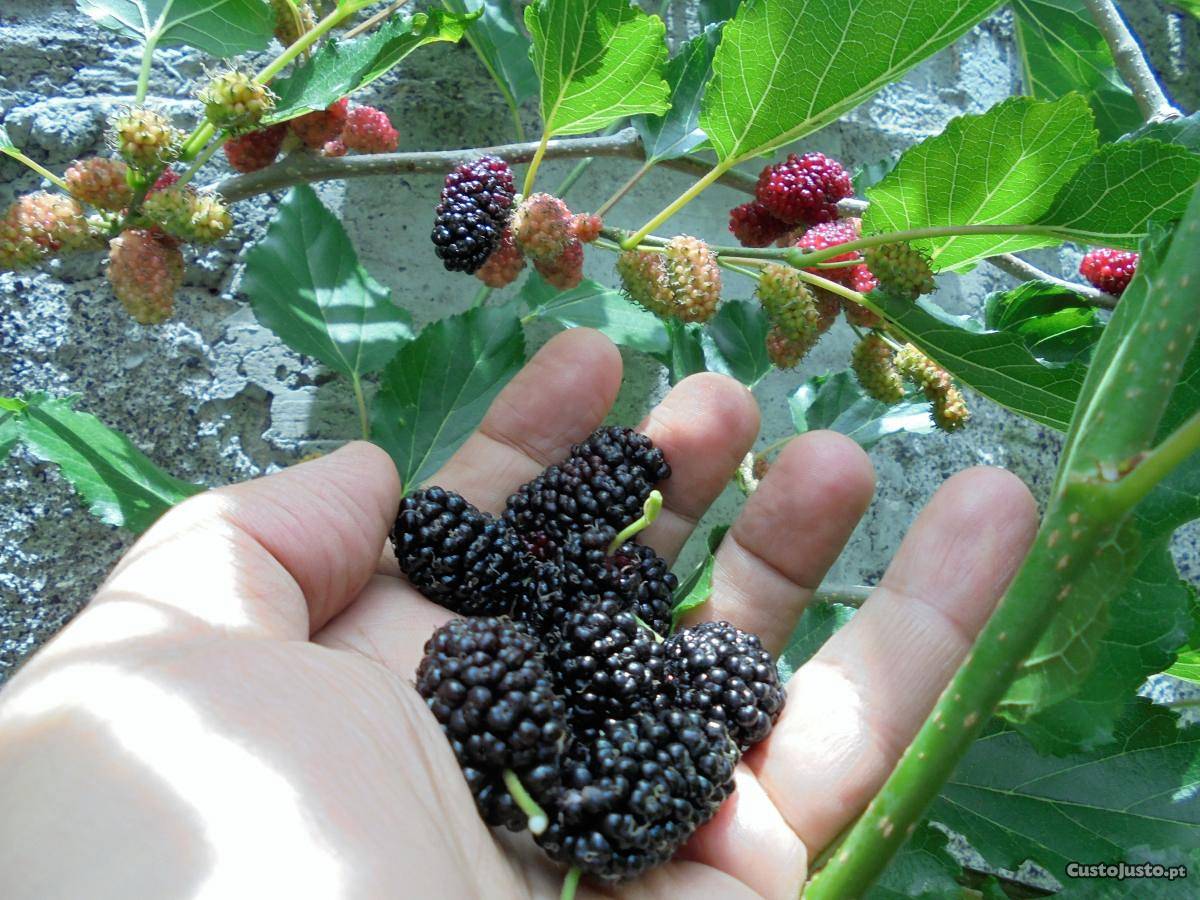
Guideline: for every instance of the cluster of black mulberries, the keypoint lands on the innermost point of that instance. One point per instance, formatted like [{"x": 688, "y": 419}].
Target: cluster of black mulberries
[
  {"x": 475, "y": 207},
  {"x": 569, "y": 686}
]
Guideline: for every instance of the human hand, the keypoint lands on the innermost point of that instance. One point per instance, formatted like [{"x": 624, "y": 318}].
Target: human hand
[{"x": 233, "y": 713}]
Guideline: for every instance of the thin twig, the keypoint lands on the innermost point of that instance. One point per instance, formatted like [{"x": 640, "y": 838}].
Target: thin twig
[
  {"x": 300, "y": 167},
  {"x": 1130, "y": 62},
  {"x": 368, "y": 24}
]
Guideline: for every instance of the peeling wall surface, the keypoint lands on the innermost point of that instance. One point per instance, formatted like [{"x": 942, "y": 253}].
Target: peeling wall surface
[{"x": 213, "y": 397}]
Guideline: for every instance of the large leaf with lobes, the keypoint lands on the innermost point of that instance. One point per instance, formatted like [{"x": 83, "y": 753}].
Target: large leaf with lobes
[
  {"x": 340, "y": 68},
  {"x": 219, "y": 27},
  {"x": 787, "y": 67},
  {"x": 999, "y": 168},
  {"x": 1062, "y": 51},
  {"x": 437, "y": 389},
  {"x": 121, "y": 485},
  {"x": 598, "y": 61},
  {"x": 305, "y": 284}
]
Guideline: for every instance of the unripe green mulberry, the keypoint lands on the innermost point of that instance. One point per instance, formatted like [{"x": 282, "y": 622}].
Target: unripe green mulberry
[
  {"x": 146, "y": 140},
  {"x": 236, "y": 102},
  {"x": 293, "y": 19},
  {"x": 99, "y": 182},
  {"x": 694, "y": 277},
  {"x": 873, "y": 362},
  {"x": 789, "y": 304},
  {"x": 643, "y": 276},
  {"x": 187, "y": 215},
  {"x": 145, "y": 270},
  {"x": 786, "y": 352},
  {"x": 41, "y": 224},
  {"x": 950, "y": 411},
  {"x": 900, "y": 269}
]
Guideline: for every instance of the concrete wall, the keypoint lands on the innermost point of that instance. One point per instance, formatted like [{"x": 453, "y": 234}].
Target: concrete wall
[{"x": 213, "y": 397}]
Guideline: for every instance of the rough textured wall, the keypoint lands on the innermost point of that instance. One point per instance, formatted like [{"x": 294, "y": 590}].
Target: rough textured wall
[{"x": 213, "y": 397}]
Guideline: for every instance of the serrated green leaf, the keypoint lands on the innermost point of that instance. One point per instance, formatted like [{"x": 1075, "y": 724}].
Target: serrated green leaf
[
  {"x": 1001, "y": 167},
  {"x": 817, "y": 624},
  {"x": 694, "y": 591},
  {"x": 305, "y": 284},
  {"x": 735, "y": 342},
  {"x": 1184, "y": 131},
  {"x": 1053, "y": 321},
  {"x": 504, "y": 48},
  {"x": 598, "y": 61},
  {"x": 1113, "y": 198},
  {"x": 787, "y": 67},
  {"x": 436, "y": 390},
  {"x": 837, "y": 402},
  {"x": 218, "y": 27},
  {"x": 1063, "y": 51},
  {"x": 592, "y": 305},
  {"x": 120, "y": 484},
  {"x": 923, "y": 868},
  {"x": 1133, "y": 801},
  {"x": 340, "y": 68},
  {"x": 678, "y": 131},
  {"x": 997, "y": 364}
]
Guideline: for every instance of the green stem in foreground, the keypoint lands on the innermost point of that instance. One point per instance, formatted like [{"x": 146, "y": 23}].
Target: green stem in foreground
[
  {"x": 679, "y": 203},
  {"x": 37, "y": 167},
  {"x": 570, "y": 884},
  {"x": 650, "y": 510},
  {"x": 143, "y": 82},
  {"x": 1157, "y": 465},
  {"x": 199, "y": 162},
  {"x": 531, "y": 172},
  {"x": 538, "y": 820},
  {"x": 364, "y": 418},
  {"x": 800, "y": 259}
]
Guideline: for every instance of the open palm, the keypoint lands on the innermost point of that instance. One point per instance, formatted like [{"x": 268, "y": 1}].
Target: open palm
[{"x": 233, "y": 714}]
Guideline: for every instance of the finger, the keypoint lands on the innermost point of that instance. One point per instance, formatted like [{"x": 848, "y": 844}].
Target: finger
[
  {"x": 705, "y": 426},
  {"x": 749, "y": 840},
  {"x": 557, "y": 399},
  {"x": 788, "y": 535},
  {"x": 275, "y": 557},
  {"x": 857, "y": 704}
]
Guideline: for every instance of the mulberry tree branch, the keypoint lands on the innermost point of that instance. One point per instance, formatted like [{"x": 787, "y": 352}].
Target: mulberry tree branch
[{"x": 1130, "y": 62}]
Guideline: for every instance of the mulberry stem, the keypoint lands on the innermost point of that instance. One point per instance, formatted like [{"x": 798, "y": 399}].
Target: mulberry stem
[
  {"x": 538, "y": 820},
  {"x": 1157, "y": 464},
  {"x": 683, "y": 200},
  {"x": 37, "y": 167},
  {"x": 650, "y": 510},
  {"x": 570, "y": 884},
  {"x": 534, "y": 163}
]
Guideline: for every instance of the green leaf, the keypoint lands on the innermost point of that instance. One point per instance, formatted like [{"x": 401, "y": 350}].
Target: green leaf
[
  {"x": 1184, "y": 131},
  {"x": 1052, "y": 320},
  {"x": 1148, "y": 621},
  {"x": 735, "y": 342},
  {"x": 592, "y": 305},
  {"x": 598, "y": 61},
  {"x": 218, "y": 27},
  {"x": 1191, "y": 6},
  {"x": 686, "y": 353},
  {"x": 1063, "y": 51},
  {"x": 305, "y": 284},
  {"x": 340, "y": 68},
  {"x": 1112, "y": 199},
  {"x": 1133, "y": 801},
  {"x": 120, "y": 484},
  {"x": 1001, "y": 167},
  {"x": 716, "y": 11},
  {"x": 995, "y": 363},
  {"x": 788, "y": 67},
  {"x": 8, "y": 431},
  {"x": 837, "y": 402},
  {"x": 678, "y": 131},
  {"x": 5, "y": 141},
  {"x": 504, "y": 48},
  {"x": 817, "y": 624},
  {"x": 438, "y": 387},
  {"x": 923, "y": 868},
  {"x": 694, "y": 591}
]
